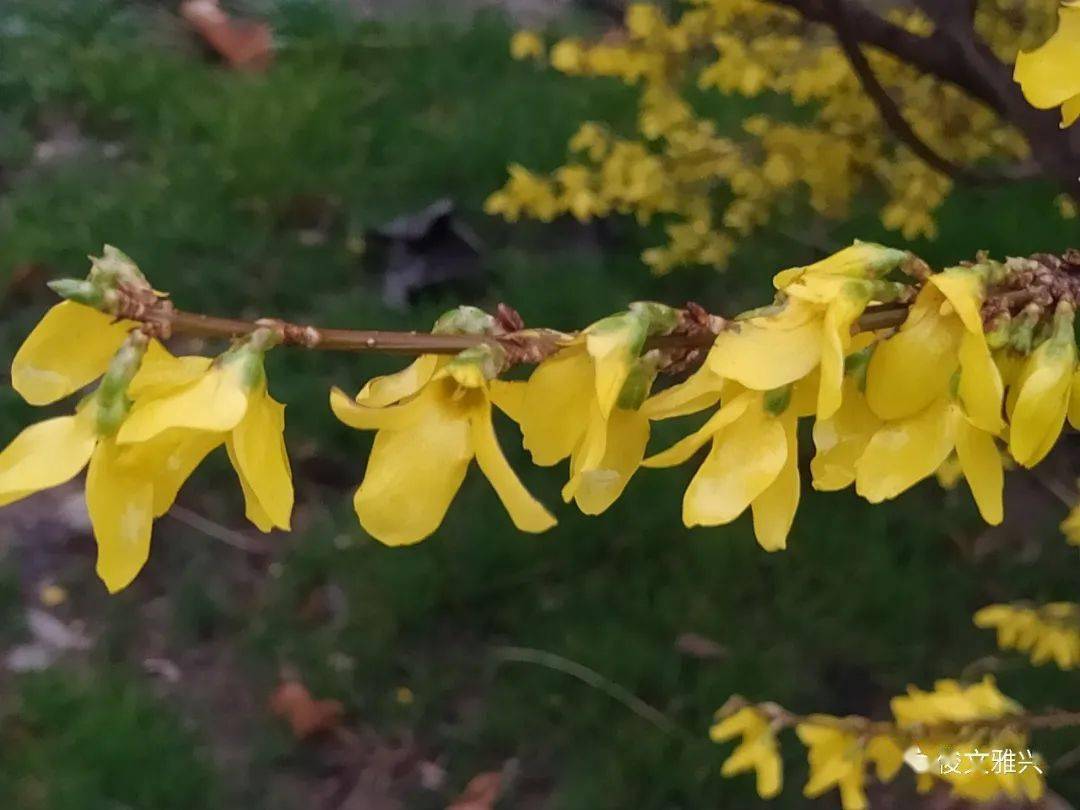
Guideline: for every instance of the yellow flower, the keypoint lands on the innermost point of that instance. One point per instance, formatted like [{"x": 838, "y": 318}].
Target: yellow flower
[
  {"x": 1070, "y": 527},
  {"x": 840, "y": 440},
  {"x": 526, "y": 45},
  {"x": 126, "y": 486},
  {"x": 811, "y": 329},
  {"x": 903, "y": 452},
  {"x": 757, "y": 750},
  {"x": 69, "y": 348},
  {"x": 1047, "y": 632},
  {"x": 424, "y": 445},
  {"x": 837, "y": 758},
  {"x": 753, "y": 462},
  {"x": 862, "y": 260},
  {"x": 1043, "y": 392},
  {"x": 1050, "y": 75},
  {"x": 914, "y": 367},
  {"x": 207, "y": 404},
  {"x": 980, "y": 386},
  {"x": 950, "y": 702},
  {"x": 584, "y": 403}
]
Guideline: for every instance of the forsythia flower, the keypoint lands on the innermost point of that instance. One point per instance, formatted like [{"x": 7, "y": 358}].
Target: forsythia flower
[
  {"x": 753, "y": 462},
  {"x": 526, "y": 45},
  {"x": 838, "y": 757},
  {"x": 1043, "y": 392},
  {"x": 584, "y": 403},
  {"x": 126, "y": 487},
  {"x": 424, "y": 445},
  {"x": 757, "y": 751},
  {"x": 1071, "y": 527},
  {"x": 224, "y": 401},
  {"x": 1047, "y": 632},
  {"x": 1050, "y": 75}
]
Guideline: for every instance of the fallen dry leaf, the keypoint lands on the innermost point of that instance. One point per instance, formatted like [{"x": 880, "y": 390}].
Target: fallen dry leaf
[
  {"x": 243, "y": 44},
  {"x": 698, "y": 646},
  {"x": 306, "y": 716},
  {"x": 480, "y": 794}
]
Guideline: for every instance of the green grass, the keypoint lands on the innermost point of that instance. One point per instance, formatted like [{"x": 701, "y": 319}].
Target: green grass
[{"x": 210, "y": 179}]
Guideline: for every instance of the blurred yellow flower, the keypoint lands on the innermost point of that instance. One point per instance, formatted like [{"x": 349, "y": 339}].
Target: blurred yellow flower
[
  {"x": 526, "y": 45},
  {"x": 756, "y": 751},
  {"x": 1047, "y": 632},
  {"x": 1050, "y": 75}
]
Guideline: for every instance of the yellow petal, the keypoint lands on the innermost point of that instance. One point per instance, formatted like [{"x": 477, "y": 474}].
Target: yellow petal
[
  {"x": 46, "y": 455},
  {"x": 746, "y": 458},
  {"x": 981, "y": 388},
  {"x": 686, "y": 447},
  {"x": 1042, "y": 402},
  {"x": 770, "y": 351},
  {"x": 841, "y": 440},
  {"x": 1074, "y": 401},
  {"x": 965, "y": 290},
  {"x": 170, "y": 459},
  {"x": 981, "y": 463},
  {"x": 1070, "y": 111},
  {"x": 860, "y": 260},
  {"x": 215, "y": 402},
  {"x": 509, "y": 397},
  {"x": 913, "y": 367},
  {"x": 391, "y": 388},
  {"x": 161, "y": 372},
  {"x": 413, "y": 474},
  {"x": 70, "y": 348},
  {"x": 769, "y": 776},
  {"x": 261, "y": 460},
  {"x": 599, "y": 487},
  {"x": 697, "y": 392},
  {"x": 774, "y": 509},
  {"x": 121, "y": 506},
  {"x": 528, "y": 514},
  {"x": 1050, "y": 75},
  {"x": 887, "y": 755},
  {"x": 589, "y": 452},
  {"x": 612, "y": 352},
  {"x": 904, "y": 452},
  {"x": 839, "y": 317},
  {"x": 557, "y": 398},
  {"x": 390, "y": 417}
]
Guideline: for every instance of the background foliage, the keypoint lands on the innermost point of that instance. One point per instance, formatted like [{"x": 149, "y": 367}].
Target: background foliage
[{"x": 254, "y": 194}]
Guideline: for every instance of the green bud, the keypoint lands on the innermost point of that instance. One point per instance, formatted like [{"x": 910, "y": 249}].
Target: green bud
[
  {"x": 81, "y": 292},
  {"x": 1022, "y": 336},
  {"x": 464, "y": 320},
  {"x": 115, "y": 267},
  {"x": 777, "y": 400},
  {"x": 639, "y": 381},
  {"x": 659, "y": 319},
  {"x": 999, "y": 331},
  {"x": 888, "y": 291},
  {"x": 111, "y": 394},
  {"x": 488, "y": 358},
  {"x": 856, "y": 365}
]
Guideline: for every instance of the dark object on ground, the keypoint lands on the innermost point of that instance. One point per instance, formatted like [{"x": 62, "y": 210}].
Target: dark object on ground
[{"x": 430, "y": 249}]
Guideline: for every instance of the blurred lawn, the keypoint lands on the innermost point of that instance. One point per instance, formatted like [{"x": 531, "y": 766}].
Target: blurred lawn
[{"x": 208, "y": 179}]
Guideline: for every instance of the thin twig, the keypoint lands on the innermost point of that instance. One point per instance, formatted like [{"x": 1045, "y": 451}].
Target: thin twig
[
  {"x": 215, "y": 530},
  {"x": 590, "y": 677}
]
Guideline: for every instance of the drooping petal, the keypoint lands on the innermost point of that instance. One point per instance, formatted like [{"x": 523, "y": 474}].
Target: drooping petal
[
  {"x": 69, "y": 348},
  {"x": 599, "y": 487},
  {"x": 253, "y": 509},
  {"x": 561, "y": 386},
  {"x": 739, "y": 467},
  {"x": 904, "y": 452},
  {"x": 613, "y": 351},
  {"x": 120, "y": 501},
  {"x": 589, "y": 452},
  {"x": 770, "y": 351},
  {"x": 964, "y": 289},
  {"x": 1074, "y": 401},
  {"x": 391, "y": 388},
  {"x": 774, "y": 509},
  {"x": 839, "y": 317},
  {"x": 697, "y": 392},
  {"x": 913, "y": 367},
  {"x": 413, "y": 474},
  {"x": 170, "y": 458},
  {"x": 364, "y": 417},
  {"x": 261, "y": 460},
  {"x": 981, "y": 388},
  {"x": 682, "y": 450},
  {"x": 528, "y": 514},
  {"x": 860, "y": 260},
  {"x": 1043, "y": 401},
  {"x": 1050, "y": 75},
  {"x": 841, "y": 440},
  {"x": 46, "y": 455},
  {"x": 215, "y": 402},
  {"x": 981, "y": 463},
  {"x": 509, "y": 397}
]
